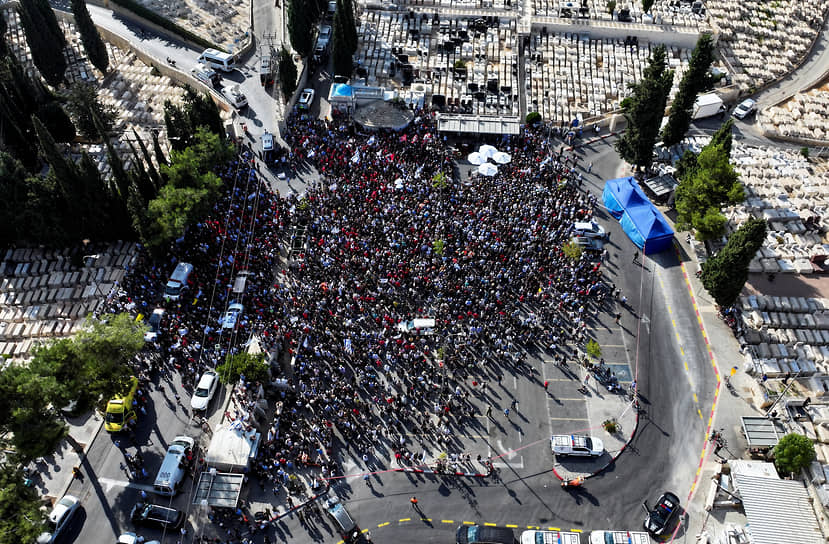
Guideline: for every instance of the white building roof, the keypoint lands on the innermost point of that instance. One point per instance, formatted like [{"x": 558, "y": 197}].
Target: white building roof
[{"x": 778, "y": 511}]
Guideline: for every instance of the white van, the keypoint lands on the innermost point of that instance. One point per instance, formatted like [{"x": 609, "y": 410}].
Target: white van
[
  {"x": 178, "y": 281},
  {"x": 218, "y": 60},
  {"x": 619, "y": 537},
  {"x": 421, "y": 326},
  {"x": 174, "y": 467},
  {"x": 240, "y": 282},
  {"x": 549, "y": 537}
]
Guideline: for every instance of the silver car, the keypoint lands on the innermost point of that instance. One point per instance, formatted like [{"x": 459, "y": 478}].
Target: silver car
[
  {"x": 59, "y": 518},
  {"x": 745, "y": 108}
]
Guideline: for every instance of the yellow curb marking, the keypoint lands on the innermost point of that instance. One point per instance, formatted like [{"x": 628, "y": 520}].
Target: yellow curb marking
[
  {"x": 383, "y": 525},
  {"x": 512, "y": 526},
  {"x": 489, "y": 524},
  {"x": 469, "y": 523},
  {"x": 404, "y": 519},
  {"x": 447, "y": 521}
]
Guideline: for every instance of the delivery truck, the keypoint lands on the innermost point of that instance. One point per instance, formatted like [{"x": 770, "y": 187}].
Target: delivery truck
[{"x": 707, "y": 105}]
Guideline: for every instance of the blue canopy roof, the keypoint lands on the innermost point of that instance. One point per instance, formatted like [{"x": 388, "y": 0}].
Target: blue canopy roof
[
  {"x": 622, "y": 193},
  {"x": 341, "y": 89},
  {"x": 641, "y": 220}
]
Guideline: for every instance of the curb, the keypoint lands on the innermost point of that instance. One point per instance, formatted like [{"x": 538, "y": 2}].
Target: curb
[{"x": 612, "y": 459}]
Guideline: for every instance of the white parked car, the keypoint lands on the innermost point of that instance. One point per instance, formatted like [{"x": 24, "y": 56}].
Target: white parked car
[
  {"x": 231, "y": 317},
  {"x": 591, "y": 229},
  {"x": 206, "y": 388},
  {"x": 306, "y": 99},
  {"x": 576, "y": 445},
  {"x": 237, "y": 97},
  {"x": 59, "y": 518},
  {"x": 132, "y": 538},
  {"x": 745, "y": 108}
]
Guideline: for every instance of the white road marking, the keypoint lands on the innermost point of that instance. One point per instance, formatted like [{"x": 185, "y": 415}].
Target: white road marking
[{"x": 109, "y": 483}]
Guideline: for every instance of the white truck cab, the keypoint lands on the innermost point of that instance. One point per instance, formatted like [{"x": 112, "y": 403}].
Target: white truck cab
[{"x": 174, "y": 467}]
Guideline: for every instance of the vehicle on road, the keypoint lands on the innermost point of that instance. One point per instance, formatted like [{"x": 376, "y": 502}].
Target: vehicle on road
[
  {"x": 154, "y": 322},
  {"x": 306, "y": 99},
  {"x": 178, "y": 281},
  {"x": 706, "y": 105},
  {"x": 155, "y": 515},
  {"x": 549, "y": 537},
  {"x": 230, "y": 318},
  {"x": 660, "y": 519},
  {"x": 208, "y": 77},
  {"x": 589, "y": 229},
  {"x": 588, "y": 244},
  {"x": 619, "y": 537},
  {"x": 132, "y": 538},
  {"x": 266, "y": 66},
  {"x": 424, "y": 326},
  {"x": 346, "y": 526},
  {"x": 745, "y": 108},
  {"x": 324, "y": 36},
  {"x": 564, "y": 445},
  {"x": 119, "y": 410},
  {"x": 477, "y": 534},
  {"x": 237, "y": 97},
  {"x": 218, "y": 60},
  {"x": 206, "y": 388},
  {"x": 174, "y": 466},
  {"x": 59, "y": 518}
]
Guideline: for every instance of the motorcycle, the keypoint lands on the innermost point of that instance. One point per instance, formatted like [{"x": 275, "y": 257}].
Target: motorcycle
[{"x": 171, "y": 62}]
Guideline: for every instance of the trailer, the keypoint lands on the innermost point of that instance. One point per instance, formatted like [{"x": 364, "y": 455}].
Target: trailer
[{"x": 707, "y": 105}]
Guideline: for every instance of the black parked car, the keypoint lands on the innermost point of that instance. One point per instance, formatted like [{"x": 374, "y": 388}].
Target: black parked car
[
  {"x": 155, "y": 515},
  {"x": 661, "y": 518}
]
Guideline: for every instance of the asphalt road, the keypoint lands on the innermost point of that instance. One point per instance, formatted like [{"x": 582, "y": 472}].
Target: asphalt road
[
  {"x": 108, "y": 494},
  {"x": 663, "y": 455}
]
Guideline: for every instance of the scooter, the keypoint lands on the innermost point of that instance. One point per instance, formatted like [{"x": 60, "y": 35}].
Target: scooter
[
  {"x": 575, "y": 482},
  {"x": 171, "y": 62}
]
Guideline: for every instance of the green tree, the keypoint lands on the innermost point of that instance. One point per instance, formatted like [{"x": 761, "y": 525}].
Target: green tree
[
  {"x": 701, "y": 195},
  {"x": 252, "y": 367},
  {"x": 725, "y": 274},
  {"x": 644, "y": 109},
  {"x": 287, "y": 74},
  {"x": 793, "y": 453},
  {"x": 300, "y": 26},
  {"x": 593, "y": 349},
  {"x": 45, "y": 45},
  {"x": 84, "y": 105},
  {"x": 198, "y": 110},
  {"x": 572, "y": 250},
  {"x": 341, "y": 52},
  {"x": 21, "y": 519},
  {"x": 92, "y": 43},
  {"x": 723, "y": 137},
  {"x": 106, "y": 347},
  {"x": 192, "y": 188},
  {"x": 686, "y": 165},
  {"x": 695, "y": 79}
]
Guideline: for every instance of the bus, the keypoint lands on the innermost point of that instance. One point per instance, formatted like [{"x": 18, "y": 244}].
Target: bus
[{"x": 218, "y": 60}]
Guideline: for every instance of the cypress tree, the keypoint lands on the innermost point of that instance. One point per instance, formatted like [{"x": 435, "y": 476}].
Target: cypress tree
[
  {"x": 644, "y": 109},
  {"x": 287, "y": 73},
  {"x": 92, "y": 43},
  {"x": 695, "y": 79},
  {"x": 155, "y": 178},
  {"x": 49, "y": 19},
  {"x": 159, "y": 153},
  {"x": 340, "y": 48},
  {"x": 140, "y": 178},
  {"x": 66, "y": 174},
  {"x": 46, "y": 49},
  {"x": 300, "y": 27}
]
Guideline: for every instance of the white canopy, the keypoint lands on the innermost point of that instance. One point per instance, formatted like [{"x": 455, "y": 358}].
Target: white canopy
[
  {"x": 476, "y": 158},
  {"x": 487, "y": 150},
  {"x": 501, "y": 157},
  {"x": 488, "y": 169}
]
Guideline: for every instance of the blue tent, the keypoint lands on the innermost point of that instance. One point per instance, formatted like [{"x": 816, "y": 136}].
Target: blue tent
[
  {"x": 640, "y": 219},
  {"x": 622, "y": 193}
]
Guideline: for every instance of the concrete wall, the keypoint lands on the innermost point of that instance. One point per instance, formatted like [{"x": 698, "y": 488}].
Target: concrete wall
[{"x": 669, "y": 35}]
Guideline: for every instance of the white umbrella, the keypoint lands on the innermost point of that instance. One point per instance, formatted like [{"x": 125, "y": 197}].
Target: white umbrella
[
  {"x": 501, "y": 157},
  {"x": 488, "y": 169},
  {"x": 487, "y": 150},
  {"x": 476, "y": 158}
]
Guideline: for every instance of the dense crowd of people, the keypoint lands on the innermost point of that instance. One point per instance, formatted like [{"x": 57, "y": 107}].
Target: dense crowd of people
[{"x": 394, "y": 231}]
